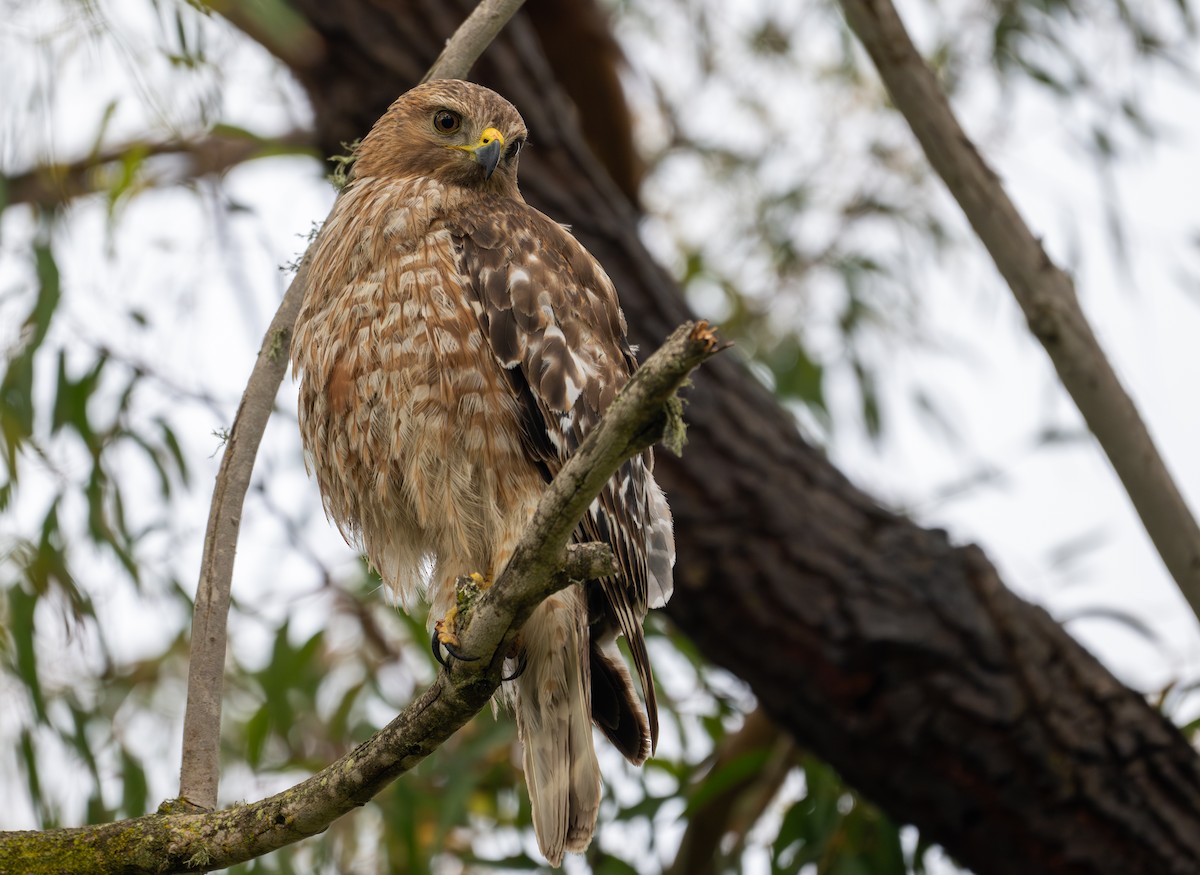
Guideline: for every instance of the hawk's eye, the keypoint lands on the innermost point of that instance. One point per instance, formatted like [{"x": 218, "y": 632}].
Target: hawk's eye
[
  {"x": 446, "y": 122},
  {"x": 514, "y": 149}
]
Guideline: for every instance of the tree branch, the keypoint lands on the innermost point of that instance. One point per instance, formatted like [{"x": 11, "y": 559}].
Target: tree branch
[
  {"x": 1045, "y": 293},
  {"x": 52, "y": 185},
  {"x": 201, "y": 762},
  {"x": 472, "y": 37},
  {"x": 542, "y": 564},
  {"x": 200, "y": 766}
]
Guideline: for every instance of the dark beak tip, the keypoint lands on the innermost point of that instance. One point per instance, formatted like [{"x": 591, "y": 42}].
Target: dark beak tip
[{"x": 489, "y": 157}]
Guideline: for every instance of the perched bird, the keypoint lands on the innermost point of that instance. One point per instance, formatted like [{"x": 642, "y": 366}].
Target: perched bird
[{"x": 454, "y": 346}]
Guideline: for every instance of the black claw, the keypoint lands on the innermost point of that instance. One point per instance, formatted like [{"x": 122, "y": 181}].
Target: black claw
[
  {"x": 458, "y": 655},
  {"x": 522, "y": 664},
  {"x": 437, "y": 646}
]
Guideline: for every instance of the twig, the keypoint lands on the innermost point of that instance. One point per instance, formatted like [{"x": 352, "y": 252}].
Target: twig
[
  {"x": 199, "y": 773},
  {"x": 543, "y": 563},
  {"x": 1045, "y": 293}
]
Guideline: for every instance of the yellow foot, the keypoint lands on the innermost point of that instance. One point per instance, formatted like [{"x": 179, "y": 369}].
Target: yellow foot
[
  {"x": 444, "y": 628},
  {"x": 445, "y": 634}
]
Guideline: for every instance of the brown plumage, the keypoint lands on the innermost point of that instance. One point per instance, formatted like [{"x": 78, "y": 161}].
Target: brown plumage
[{"x": 455, "y": 345}]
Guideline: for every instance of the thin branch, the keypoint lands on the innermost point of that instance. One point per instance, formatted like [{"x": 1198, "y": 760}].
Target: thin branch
[
  {"x": 1045, "y": 293},
  {"x": 543, "y": 563},
  {"x": 52, "y": 185},
  {"x": 472, "y": 37},
  {"x": 199, "y": 774},
  {"x": 200, "y": 766}
]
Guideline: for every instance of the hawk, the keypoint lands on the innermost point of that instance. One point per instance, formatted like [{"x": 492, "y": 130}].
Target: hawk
[{"x": 454, "y": 346}]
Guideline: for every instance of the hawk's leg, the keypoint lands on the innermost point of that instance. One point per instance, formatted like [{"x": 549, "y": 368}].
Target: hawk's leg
[{"x": 445, "y": 634}]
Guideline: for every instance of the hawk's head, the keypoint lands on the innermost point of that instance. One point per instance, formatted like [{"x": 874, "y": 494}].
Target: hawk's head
[{"x": 450, "y": 130}]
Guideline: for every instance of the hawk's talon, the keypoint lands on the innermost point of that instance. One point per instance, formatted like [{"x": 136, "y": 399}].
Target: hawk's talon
[
  {"x": 445, "y": 638},
  {"x": 437, "y": 645}
]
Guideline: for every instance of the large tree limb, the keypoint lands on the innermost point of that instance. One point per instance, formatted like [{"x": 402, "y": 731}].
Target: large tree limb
[
  {"x": 543, "y": 563},
  {"x": 1044, "y": 291},
  {"x": 199, "y": 774},
  {"x": 898, "y": 658}
]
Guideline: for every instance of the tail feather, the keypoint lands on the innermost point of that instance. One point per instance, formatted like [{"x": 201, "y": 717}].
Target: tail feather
[
  {"x": 615, "y": 707},
  {"x": 554, "y": 721},
  {"x": 641, "y": 661}
]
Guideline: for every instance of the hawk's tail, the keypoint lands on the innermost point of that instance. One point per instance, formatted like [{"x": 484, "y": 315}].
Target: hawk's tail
[
  {"x": 554, "y": 721},
  {"x": 615, "y": 706}
]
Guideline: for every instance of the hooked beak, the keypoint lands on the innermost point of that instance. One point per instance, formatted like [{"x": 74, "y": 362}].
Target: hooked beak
[{"x": 488, "y": 151}]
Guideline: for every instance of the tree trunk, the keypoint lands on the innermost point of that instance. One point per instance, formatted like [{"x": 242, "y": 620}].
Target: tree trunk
[{"x": 900, "y": 659}]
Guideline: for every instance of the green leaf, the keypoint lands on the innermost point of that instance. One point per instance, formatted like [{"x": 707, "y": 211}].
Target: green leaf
[
  {"x": 79, "y": 742},
  {"x": 728, "y": 775},
  {"x": 796, "y": 374},
  {"x": 790, "y": 839},
  {"x": 71, "y": 399},
  {"x": 518, "y": 863},
  {"x": 29, "y": 765},
  {"x": 22, "y": 607},
  {"x": 16, "y": 407},
  {"x": 869, "y": 393},
  {"x": 110, "y": 111},
  {"x": 870, "y": 844},
  {"x": 49, "y": 293},
  {"x": 16, "y": 387},
  {"x": 257, "y": 729},
  {"x": 155, "y": 456},
  {"x": 171, "y": 442},
  {"x": 608, "y": 865},
  {"x": 339, "y": 720}
]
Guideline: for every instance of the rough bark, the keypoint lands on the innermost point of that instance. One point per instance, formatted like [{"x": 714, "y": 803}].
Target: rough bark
[{"x": 898, "y": 657}]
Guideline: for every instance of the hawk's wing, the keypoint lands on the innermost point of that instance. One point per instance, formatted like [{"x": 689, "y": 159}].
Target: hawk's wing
[{"x": 553, "y": 321}]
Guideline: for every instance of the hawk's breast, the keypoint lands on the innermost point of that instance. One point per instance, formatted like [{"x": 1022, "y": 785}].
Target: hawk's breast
[{"x": 408, "y": 418}]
